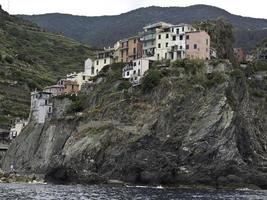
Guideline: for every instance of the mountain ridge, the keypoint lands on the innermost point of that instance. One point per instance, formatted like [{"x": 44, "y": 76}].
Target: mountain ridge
[{"x": 105, "y": 30}]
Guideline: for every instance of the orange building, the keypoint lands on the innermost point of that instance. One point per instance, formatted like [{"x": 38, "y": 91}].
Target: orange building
[
  {"x": 71, "y": 87},
  {"x": 130, "y": 49},
  {"x": 198, "y": 45},
  {"x": 240, "y": 54}
]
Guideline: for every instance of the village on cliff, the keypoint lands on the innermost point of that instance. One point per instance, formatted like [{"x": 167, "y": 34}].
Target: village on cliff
[{"x": 158, "y": 42}]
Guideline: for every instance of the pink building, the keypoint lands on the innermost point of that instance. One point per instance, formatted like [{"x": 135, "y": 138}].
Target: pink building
[
  {"x": 56, "y": 90},
  {"x": 198, "y": 45}
]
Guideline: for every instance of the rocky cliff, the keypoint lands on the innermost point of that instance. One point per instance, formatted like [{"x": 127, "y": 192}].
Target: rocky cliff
[{"x": 188, "y": 128}]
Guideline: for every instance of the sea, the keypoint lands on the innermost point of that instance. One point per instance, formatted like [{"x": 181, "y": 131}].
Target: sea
[{"x": 111, "y": 192}]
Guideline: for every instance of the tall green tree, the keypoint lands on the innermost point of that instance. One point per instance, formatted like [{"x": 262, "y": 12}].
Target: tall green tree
[{"x": 222, "y": 36}]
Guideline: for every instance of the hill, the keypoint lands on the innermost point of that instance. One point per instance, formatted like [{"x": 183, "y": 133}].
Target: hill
[
  {"x": 105, "y": 30},
  {"x": 30, "y": 58}
]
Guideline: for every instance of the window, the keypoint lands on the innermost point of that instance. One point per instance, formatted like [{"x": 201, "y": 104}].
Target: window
[
  {"x": 195, "y": 46},
  {"x": 134, "y": 40},
  {"x": 167, "y": 44},
  {"x": 173, "y": 38},
  {"x": 139, "y": 62},
  {"x": 50, "y": 109},
  {"x": 159, "y": 45},
  {"x": 158, "y": 56},
  {"x": 97, "y": 71},
  {"x": 181, "y": 47},
  {"x": 187, "y": 37},
  {"x": 135, "y": 78},
  {"x": 84, "y": 78},
  {"x": 172, "y": 29},
  {"x": 128, "y": 73},
  {"x": 134, "y": 50},
  {"x": 181, "y": 37},
  {"x": 134, "y": 72},
  {"x": 165, "y": 55},
  {"x": 187, "y": 46},
  {"x": 105, "y": 61},
  {"x": 183, "y": 29},
  {"x": 72, "y": 87},
  {"x": 177, "y": 31},
  {"x": 139, "y": 72},
  {"x": 207, "y": 41},
  {"x": 97, "y": 62},
  {"x": 145, "y": 44},
  {"x": 167, "y": 35},
  {"x": 134, "y": 64},
  {"x": 92, "y": 70},
  {"x": 159, "y": 37},
  {"x": 46, "y": 102}
]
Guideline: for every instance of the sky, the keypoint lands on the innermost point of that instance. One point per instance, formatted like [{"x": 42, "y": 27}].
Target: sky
[{"x": 255, "y": 8}]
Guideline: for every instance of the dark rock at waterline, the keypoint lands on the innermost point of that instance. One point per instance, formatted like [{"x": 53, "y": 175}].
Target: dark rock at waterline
[{"x": 179, "y": 133}]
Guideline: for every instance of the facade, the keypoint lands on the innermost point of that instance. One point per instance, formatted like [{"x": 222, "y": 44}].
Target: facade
[
  {"x": 71, "y": 87},
  {"x": 55, "y": 90},
  {"x": 41, "y": 107},
  {"x": 103, "y": 59},
  {"x": 240, "y": 54},
  {"x": 149, "y": 37},
  {"x": 198, "y": 45},
  {"x": 135, "y": 70},
  {"x": 130, "y": 49},
  {"x": 16, "y": 130}
]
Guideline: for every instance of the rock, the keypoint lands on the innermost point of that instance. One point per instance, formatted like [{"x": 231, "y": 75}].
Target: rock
[{"x": 176, "y": 134}]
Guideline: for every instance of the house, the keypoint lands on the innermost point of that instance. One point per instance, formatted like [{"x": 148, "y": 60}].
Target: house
[
  {"x": 130, "y": 49},
  {"x": 55, "y": 90},
  {"x": 198, "y": 45},
  {"x": 103, "y": 58},
  {"x": 149, "y": 36},
  {"x": 240, "y": 54},
  {"x": 135, "y": 70},
  {"x": 41, "y": 106},
  {"x": 16, "y": 130},
  {"x": 71, "y": 87},
  {"x": 261, "y": 54}
]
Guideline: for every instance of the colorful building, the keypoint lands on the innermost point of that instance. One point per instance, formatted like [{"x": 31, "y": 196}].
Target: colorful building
[
  {"x": 240, "y": 54},
  {"x": 55, "y": 90},
  {"x": 198, "y": 45},
  {"x": 71, "y": 87},
  {"x": 130, "y": 49}
]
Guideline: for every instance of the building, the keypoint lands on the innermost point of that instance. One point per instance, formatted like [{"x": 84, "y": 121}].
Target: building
[
  {"x": 41, "y": 106},
  {"x": 16, "y": 130},
  {"x": 240, "y": 54},
  {"x": 130, "y": 49},
  {"x": 198, "y": 45},
  {"x": 55, "y": 90},
  {"x": 71, "y": 87},
  {"x": 149, "y": 36},
  {"x": 261, "y": 54},
  {"x": 103, "y": 58},
  {"x": 135, "y": 70}
]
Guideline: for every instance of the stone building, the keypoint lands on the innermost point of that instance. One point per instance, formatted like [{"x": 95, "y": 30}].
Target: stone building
[{"x": 41, "y": 106}]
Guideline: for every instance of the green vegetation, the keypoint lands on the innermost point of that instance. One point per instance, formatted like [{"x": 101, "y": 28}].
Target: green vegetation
[
  {"x": 77, "y": 104},
  {"x": 32, "y": 58},
  {"x": 151, "y": 80},
  {"x": 222, "y": 36}
]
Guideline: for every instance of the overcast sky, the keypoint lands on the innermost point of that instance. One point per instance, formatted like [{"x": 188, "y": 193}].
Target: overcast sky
[{"x": 254, "y": 8}]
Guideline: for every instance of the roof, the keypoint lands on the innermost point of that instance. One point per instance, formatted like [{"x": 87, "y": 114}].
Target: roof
[
  {"x": 40, "y": 92},
  {"x": 158, "y": 24},
  {"x": 54, "y": 86}
]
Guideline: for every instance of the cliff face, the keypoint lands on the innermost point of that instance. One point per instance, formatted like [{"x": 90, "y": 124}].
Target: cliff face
[{"x": 180, "y": 132}]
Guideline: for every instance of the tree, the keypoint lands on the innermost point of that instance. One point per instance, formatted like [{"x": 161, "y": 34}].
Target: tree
[{"x": 222, "y": 36}]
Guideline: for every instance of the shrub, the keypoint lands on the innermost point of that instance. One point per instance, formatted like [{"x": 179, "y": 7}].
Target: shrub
[
  {"x": 77, "y": 104},
  {"x": 9, "y": 59},
  {"x": 214, "y": 78},
  {"x": 125, "y": 85},
  {"x": 151, "y": 80}
]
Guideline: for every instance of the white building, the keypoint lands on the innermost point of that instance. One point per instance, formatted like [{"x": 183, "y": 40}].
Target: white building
[
  {"x": 16, "y": 130},
  {"x": 135, "y": 70},
  {"x": 171, "y": 42},
  {"x": 149, "y": 37},
  {"x": 83, "y": 77},
  {"x": 103, "y": 59},
  {"x": 41, "y": 107}
]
